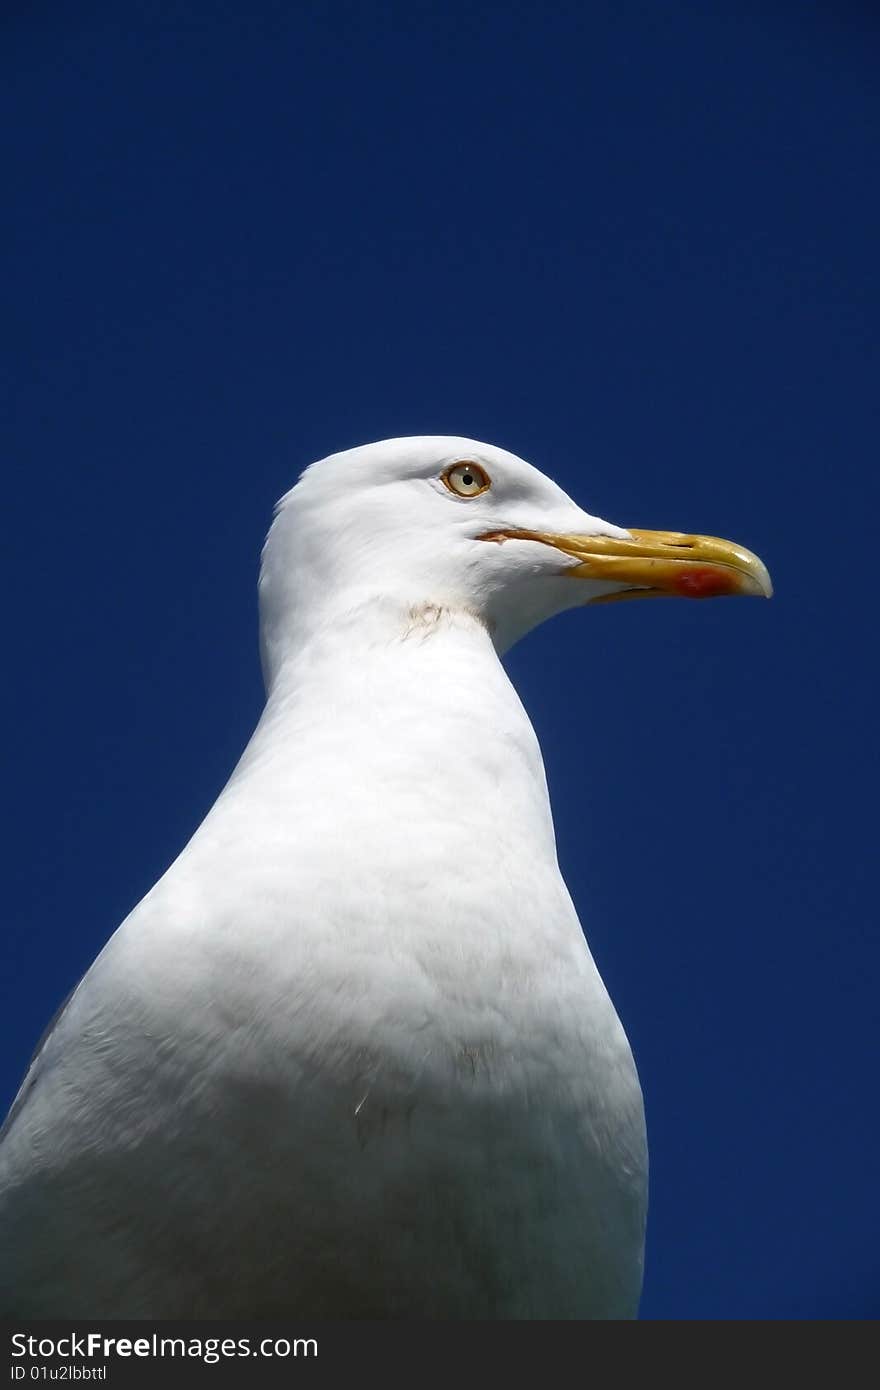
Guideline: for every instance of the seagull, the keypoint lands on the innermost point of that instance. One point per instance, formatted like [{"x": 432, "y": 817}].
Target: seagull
[{"x": 351, "y": 1057}]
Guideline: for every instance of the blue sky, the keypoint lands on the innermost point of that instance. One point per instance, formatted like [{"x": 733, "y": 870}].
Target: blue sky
[{"x": 634, "y": 243}]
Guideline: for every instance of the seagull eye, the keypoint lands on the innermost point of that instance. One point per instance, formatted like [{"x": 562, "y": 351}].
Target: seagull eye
[{"x": 467, "y": 479}]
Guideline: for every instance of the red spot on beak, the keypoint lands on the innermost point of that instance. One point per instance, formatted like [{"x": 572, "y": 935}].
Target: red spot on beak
[{"x": 701, "y": 581}]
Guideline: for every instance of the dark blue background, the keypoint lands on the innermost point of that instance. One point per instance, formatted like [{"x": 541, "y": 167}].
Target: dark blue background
[{"x": 635, "y": 243}]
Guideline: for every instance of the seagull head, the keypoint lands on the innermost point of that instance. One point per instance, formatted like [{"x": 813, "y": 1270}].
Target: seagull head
[{"x": 448, "y": 524}]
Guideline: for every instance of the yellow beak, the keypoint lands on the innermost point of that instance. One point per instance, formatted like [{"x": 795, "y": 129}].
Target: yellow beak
[{"x": 650, "y": 563}]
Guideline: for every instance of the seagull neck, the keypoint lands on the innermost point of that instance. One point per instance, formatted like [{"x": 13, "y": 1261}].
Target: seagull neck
[
  {"x": 385, "y": 720},
  {"x": 369, "y": 639},
  {"x": 379, "y": 674}
]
